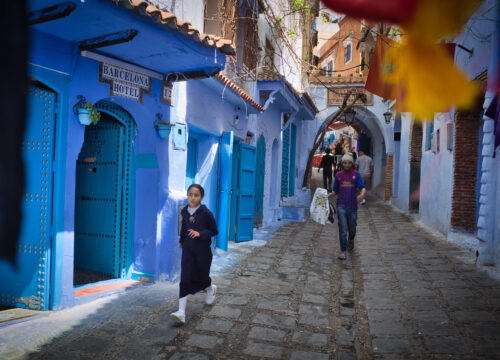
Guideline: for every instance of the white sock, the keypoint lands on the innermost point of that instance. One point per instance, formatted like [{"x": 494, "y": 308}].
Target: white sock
[
  {"x": 182, "y": 304},
  {"x": 210, "y": 289}
]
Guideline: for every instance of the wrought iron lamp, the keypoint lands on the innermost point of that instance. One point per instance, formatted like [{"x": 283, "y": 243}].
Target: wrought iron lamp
[
  {"x": 387, "y": 117},
  {"x": 349, "y": 116}
]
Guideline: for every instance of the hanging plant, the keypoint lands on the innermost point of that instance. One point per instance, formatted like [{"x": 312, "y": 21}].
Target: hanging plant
[{"x": 87, "y": 113}]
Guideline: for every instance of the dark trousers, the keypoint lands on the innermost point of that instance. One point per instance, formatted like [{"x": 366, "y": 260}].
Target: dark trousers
[
  {"x": 327, "y": 179},
  {"x": 347, "y": 224}
]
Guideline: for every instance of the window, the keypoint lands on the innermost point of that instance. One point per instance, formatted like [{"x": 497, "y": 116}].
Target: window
[
  {"x": 348, "y": 53},
  {"x": 324, "y": 71},
  {"x": 330, "y": 68},
  {"x": 429, "y": 135}
]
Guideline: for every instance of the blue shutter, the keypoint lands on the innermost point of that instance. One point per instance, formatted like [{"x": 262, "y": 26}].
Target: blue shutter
[
  {"x": 259, "y": 180},
  {"x": 246, "y": 193},
  {"x": 291, "y": 174},
  {"x": 192, "y": 159},
  {"x": 224, "y": 210},
  {"x": 285, "y": 162}
]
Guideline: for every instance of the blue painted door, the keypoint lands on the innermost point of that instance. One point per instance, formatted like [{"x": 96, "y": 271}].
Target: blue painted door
[
  {"x": 192, "y": 161},
  {"x": 291, "y": 173},
  {"x": 27, "y": 284},
  {"x": 285, "y": 162},
  {"x": 99, "y": 195},
  {"x": 234, "y": 190},
  {"x": 259, "y": 181},
  {"x": 246, "y": 193},
  {"x": 224, "y": 209}
]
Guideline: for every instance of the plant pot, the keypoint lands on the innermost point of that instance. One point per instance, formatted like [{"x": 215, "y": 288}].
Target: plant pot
[
  {"x": 163, "y": 130},
  {"x": 84, "y": 116}
]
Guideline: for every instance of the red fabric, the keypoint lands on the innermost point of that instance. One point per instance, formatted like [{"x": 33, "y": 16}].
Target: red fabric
[
  {"x": 375, "y": 82},
  {"x": 394, "y": 11}
]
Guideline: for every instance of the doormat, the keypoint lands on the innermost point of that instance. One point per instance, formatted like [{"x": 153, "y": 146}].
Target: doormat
[
  {"x": 8, "y": 313},
  {"x": 107, "y": 287}
]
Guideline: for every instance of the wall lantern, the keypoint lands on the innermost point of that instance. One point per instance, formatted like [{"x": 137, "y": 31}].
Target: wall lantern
[
  {"x": 161, "y": 126},
  {"x": 349, "y": 115},
  {"x": 387, "y": 117}
]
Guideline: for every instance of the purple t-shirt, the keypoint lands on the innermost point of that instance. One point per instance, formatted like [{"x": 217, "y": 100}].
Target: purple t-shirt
[{"x": 346, "y": 186}]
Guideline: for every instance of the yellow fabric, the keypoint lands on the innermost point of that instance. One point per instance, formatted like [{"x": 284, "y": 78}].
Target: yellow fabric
[
  {"x": 424, "y": 71},
  {"x": 430, "y": 81},
  {"x": 435, "y": 19}
]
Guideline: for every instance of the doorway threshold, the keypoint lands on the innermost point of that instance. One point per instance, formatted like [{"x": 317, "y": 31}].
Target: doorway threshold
[
  {"x": 89, "y": 292},
  {"x": 10, "y": 315}
]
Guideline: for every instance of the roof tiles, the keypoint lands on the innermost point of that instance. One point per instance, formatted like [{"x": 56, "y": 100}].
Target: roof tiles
[
  {"x": 233, "y": 86},
  {"x": 145, "y": 9}
]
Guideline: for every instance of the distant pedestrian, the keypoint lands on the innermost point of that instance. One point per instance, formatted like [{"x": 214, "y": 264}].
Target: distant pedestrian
[
  {"x": 327, "y": 163},
  {"x": 346, "y": 185},
  {"x": 354, "y": 155},
  {"x": 364, "y": 165},
  {"x": 339, "y": 148},
  {"x": 198, "y": 227}
]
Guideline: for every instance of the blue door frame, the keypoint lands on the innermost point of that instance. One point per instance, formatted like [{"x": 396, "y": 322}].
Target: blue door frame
[
  {"x": 192, "y": 161},
  {"x": 259, "y": 181},
  {"x": 285, "y": 162},
  {"x": 291, "y": 173}
]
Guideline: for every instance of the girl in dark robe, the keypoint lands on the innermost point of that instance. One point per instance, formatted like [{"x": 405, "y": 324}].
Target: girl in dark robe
[{"x": 198, "y": 227}]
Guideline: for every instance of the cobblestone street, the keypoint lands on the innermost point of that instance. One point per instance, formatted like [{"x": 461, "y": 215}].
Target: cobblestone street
[{"x": 401, "y": 294}]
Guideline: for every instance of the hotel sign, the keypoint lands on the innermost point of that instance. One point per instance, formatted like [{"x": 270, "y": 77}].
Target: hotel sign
[
  {"x": 124, "y": 82},
  {"x": 336, "y": 95}
]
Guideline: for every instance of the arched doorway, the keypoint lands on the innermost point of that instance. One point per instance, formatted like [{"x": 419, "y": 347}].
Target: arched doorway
[
  {"x": 259, "y": 182},
  {"x": 104, "y": 201}
]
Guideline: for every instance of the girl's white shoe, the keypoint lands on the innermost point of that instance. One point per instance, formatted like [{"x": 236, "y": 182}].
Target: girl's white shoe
[
  {"x": 211, "y": 294},
  {"x": 179, "y": 316}
]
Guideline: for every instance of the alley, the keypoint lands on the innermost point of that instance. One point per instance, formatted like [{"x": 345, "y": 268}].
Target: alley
[{"x": 403, "y": 294}]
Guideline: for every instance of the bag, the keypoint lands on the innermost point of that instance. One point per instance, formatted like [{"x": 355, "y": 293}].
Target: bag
[
  {"x": 319, "y": 207},
  {"x": 331, "y": 212}
]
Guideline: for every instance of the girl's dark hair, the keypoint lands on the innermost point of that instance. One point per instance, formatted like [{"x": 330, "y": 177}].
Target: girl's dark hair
[{"x": 199, "y": 187}]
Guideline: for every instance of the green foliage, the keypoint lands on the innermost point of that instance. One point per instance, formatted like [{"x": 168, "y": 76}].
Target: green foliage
[
  {"x": 278, "y": 20},
  {"x": 94, "y": 115},
  {"x": 395, "y": 32},
  {"x": 291, "y": 33},
  {"x": 298, "y": 4}
]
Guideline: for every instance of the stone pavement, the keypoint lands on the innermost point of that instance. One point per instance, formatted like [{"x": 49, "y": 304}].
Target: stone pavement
[{"x": 403, "y": 293}]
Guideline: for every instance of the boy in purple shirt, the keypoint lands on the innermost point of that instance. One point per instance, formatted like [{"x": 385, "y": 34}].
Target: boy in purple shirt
[{"x": 346, "y": 185}]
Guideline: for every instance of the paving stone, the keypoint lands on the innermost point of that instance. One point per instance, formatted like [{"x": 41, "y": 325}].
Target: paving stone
[
  {"x": 436, "y": 275},
  {"x": 484, "y": 330},
  {"x": 225, "y": 312},
  {"x": 234, "y": 300},
  {"x": 342, "y": 355},
  {"x": 465, "y": 303},
  {"x": 409, "y": 276},
  {"x": 275, "y": 320},
  {"x": 422, "y": 304},
  {"x": 346, "y": 337},
  {"x": 384, "y": 315},
  {"x": 203, "y": 341},
  {"x": 90, "y": 343},
  {"x": 446, "y": 345},
  {"x": 315, "y": 339},
  {"x": 433, "y": 315},
  {"x": 263, "y": 350},
  {"x": 314, "y": 320},
  {"x": 381, "y": 303},
  {"x": 276, "y": 305},
  {"x": 384, "y": 328},
  {"x": 390, "y": 345},
  {"x": 312, "y": 298},
  {"x": 137, "y": 350},
  {"x": 377, "y": 284},
  {"x": 428, "y": 328},
  {"x": 305, "y": 308},
  {"x": 217, "y": 325},
  {"x": 303, "y": 355},
  {"x": 262, "y": 333},
  {"x": 474, "y": 316},
  {"x": 188, "y": 356},
  {"x": 410, "y": 292}
]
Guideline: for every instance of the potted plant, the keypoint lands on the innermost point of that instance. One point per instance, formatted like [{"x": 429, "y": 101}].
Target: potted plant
[
  {"x": 87, "y": 113},
  {"x": 163, "y": 129}
]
